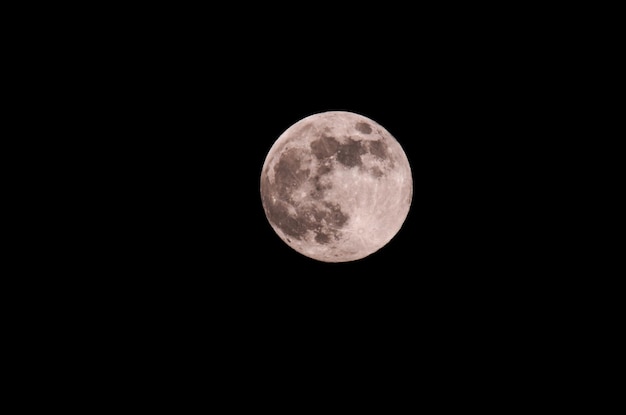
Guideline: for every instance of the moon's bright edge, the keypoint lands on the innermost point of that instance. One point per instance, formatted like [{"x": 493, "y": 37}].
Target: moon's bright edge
[{"x": 336, "y": 186}]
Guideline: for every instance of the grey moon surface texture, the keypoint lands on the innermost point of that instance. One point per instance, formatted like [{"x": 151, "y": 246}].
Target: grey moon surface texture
[{"x": 336, "y": 186}]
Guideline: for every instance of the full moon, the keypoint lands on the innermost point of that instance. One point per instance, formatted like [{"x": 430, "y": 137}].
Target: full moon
[{"x": 336, "y": 186}]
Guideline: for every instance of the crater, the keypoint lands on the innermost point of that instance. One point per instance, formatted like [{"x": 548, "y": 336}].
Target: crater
[
  {"x": 378, "y": 149},
  {"x": 324, "y": 168},
  {"x": 349, "y": 154},
  {"x": 322, "y": 238},
  {"x": 376, "y": 172},
  {"x": 363, "y": 127},
  {"x": 278, "y": 214},
  {"x": 334, "y": 216},
  {"x": 324, "y": 147},
  {"x": 288, "y": 173},
  {"x": 318, "y": 188}
]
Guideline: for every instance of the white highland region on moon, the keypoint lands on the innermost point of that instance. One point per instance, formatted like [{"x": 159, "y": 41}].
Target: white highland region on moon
[{"x": 336, "y": 186}]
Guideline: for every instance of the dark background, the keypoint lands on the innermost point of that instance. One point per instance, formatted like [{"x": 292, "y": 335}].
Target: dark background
[
  {"x": 187, "y": 113},
  {"x": 173, "y": 116},
  {"x": 192, "y": 128},
  {"x": 200, "y": 130},
  {"x": 155, "y": 268}
]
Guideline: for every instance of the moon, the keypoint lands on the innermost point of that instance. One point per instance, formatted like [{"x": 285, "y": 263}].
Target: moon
[{"x": 336, "y": 186}]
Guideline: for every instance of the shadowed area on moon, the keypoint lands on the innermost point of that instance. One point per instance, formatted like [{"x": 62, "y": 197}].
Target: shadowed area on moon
[
  {"x": 295, "y": 171},
  {"x": 363, "y": 127},
  {"x": 288, "y": 174},
  {"x": 323, "y": 218},
  {"x": 349, "y": 153}
]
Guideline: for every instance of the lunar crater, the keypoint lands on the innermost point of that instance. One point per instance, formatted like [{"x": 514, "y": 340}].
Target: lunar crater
[
  {"x": 363, "y": 127},
  {"x": 324, "y": 147}
]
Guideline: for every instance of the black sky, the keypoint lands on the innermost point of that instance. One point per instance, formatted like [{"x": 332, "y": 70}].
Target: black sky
[{"x": 190, "y": 118}]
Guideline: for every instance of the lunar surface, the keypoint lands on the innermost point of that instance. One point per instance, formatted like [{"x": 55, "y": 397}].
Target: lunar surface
[{"x": 336, "y": 186}]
